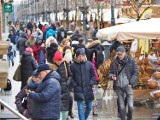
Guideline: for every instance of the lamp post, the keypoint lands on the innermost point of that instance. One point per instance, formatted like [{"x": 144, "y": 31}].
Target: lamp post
[
  {"x": 84, "y": 9},
  {"x": 112, "y": 13},
  {"x": 67, "y": 10}
]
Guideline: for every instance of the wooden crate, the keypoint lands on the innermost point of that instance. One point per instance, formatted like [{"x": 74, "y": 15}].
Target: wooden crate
[{"x": 4, "y": 67}]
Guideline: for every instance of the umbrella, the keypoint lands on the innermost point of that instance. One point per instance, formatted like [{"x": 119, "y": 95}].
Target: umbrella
[{"x": 146, "y": 29}]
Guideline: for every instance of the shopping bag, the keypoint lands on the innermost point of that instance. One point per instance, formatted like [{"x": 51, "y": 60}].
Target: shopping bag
[{"x": 17, "y": 74}]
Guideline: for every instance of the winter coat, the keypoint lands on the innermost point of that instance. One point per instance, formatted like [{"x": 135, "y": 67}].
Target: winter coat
[
  {"x": 12, "y": 38},
  {"x": 76, "y": 36},
  {"x": 131, "y": 70},
  {"x": 47, "y": 98},
  {"x": 97, "y": 48},
  {"x": 61, "y": 34},
  {"x": 36, "y": 52},
  {"x": 19, "y": 98},
  {"x": 64, "y": 82},
  {"x": 83, "y": 80},
  {"x": 50, "y": 53},
  {"x": 28, "y": 65},
  {"x": 21, "y": 43}
]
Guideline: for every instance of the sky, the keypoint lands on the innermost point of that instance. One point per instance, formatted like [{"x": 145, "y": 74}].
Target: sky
[{"x": 17, "y": 1}]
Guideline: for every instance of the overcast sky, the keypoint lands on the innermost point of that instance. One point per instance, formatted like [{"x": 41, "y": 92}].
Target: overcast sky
[{"x": 17, "y": 1}]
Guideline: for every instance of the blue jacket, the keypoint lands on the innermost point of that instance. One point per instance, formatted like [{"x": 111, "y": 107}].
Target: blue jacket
[
  {"x": 131, "y": 70},
  {"x": 83, "y": 81},
  {"x": 47, "y": 98},
  {"x": 50, "y": 32}
]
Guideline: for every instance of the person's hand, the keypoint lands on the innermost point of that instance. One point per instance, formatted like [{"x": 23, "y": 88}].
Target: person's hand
[
  {"x": 30, "y": 118},
  {"x": 129, "y": 85},
  {"x": 28, "y": 92},
  {"x": 43, "y": 45},
  {"x": 25, "y": 111},
  {"x": 114, "y": 77}
]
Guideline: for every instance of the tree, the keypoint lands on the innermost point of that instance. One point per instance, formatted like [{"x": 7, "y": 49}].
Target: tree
[{"x": 137, "y": 6}]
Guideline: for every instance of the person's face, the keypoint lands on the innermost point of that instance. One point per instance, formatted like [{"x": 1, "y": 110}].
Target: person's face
[
  {"x": 66, "y": 43},
  {"x": 80, "y": 58},
  {"x": 121, "y": 56},
  {"x": 58, "y": 62},
  {"x": 39, "y": 41},
  {"x": 11, "y": 32},
  {"x": 42, "y": 74},
  {"x": 36, "y": 79}
]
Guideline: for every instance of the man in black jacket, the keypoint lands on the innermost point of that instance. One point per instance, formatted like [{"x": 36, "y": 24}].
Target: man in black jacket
[
  {"x": 124, "y": 72},
  {"x": 82, "y": 82}
]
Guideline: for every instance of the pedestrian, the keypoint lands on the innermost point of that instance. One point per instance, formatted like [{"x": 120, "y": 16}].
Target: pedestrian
[
  {"x": 64, "y": 71},
  {"x": 28, "y": 65},
  {"x": 23, "y": 103},
  {"x": 76, "y": 35},
  {"x": 47, "y": 97},
  {"x": 61, "y": 34},
  {"x": 39, "y": 51},
  {"x": 124, "y": 72},
  {"x": 82, "y": 82}
]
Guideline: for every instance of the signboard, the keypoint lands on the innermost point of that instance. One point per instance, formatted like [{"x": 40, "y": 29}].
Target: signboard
[{"x": 7, "y": 7}]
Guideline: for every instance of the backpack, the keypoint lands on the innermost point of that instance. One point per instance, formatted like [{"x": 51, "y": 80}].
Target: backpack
[{"x": 9, "y": 85}]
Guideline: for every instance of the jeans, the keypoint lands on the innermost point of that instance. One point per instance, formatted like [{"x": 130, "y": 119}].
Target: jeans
[
  {"x": 82, "y": 112},
  {"x": 10, "y": 58},
  {"x": 122, "y": 93}
]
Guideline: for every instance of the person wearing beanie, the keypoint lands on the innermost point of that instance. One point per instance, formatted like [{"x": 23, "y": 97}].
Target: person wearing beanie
[
  {"x": 39, "y": 51},
  {"x": 26, "y": 108},
  {"x": 31, "y": 41},
  {"x": 28, "y": 64},
  {"x": 64, "y": 71},
  {"x": 47, "y": 97},
  {"x": 83, "y": 80},
  {"x": 50, "y": 40}
]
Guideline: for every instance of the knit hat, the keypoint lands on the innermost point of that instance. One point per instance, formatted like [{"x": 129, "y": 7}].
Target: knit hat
[
  {"x": 29, "y": 50},
  {"x": 80, "y": 51},
  {"x": 120, "y": 49},
  {"x": 38, "y": 38},
  {"x": 58, "y": 56},
  {"x": 43, "y": 67}
]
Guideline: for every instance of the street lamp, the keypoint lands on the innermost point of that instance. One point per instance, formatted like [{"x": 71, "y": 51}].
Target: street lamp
[
  {"x": 112, "y": 13},
  {"x": 67, "y": 10},
  {"x": 84, "y": 10}
]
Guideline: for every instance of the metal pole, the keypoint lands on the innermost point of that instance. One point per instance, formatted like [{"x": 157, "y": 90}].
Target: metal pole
[
  {"x": 67, "y": 18},
  {"x": 112, "y": 13},
  {"x": 12, "y": 110},
  {"x": 84, "y": 11},
  {"x": 56, "y": 12}
]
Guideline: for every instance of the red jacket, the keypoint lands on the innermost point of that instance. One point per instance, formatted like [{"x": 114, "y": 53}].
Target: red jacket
[{"x": 36, "y": 52}]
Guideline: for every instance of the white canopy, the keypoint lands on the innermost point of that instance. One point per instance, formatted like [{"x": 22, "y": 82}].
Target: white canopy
[{"x": 147, "y": 29}]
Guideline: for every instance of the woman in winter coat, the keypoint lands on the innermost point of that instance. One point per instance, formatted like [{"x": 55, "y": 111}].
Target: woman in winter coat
[
  {"x": 39, "y": 51},
  {"x": 21, "y": 42},
  {"x": 28, "y": 65},
  {"x": 26, "y": 108},
  {"x": 64, "y": 71},
  {"x": 30, "y": 42}
]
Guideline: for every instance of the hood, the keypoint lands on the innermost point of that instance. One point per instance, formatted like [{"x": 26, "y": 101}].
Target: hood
[{"x": 93, "y": 44}]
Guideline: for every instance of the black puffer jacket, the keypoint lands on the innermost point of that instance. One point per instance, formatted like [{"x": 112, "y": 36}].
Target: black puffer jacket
[
  {"x": 64, "y": 82},
  {"x": 21, "y": 43},
  {"x": 51, "y": 50},
  {"x": 83, "y": 80},
  {"x": 28, "y": 65}
]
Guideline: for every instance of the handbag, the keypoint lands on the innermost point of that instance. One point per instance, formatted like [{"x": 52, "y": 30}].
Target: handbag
[{"x": 17, "y": 74}]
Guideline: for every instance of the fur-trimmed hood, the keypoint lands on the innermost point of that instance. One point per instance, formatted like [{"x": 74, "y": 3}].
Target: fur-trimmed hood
[{"x": 93, "y": 44}]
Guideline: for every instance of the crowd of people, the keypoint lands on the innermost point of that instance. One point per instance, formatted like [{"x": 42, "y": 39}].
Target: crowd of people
[{"x": 55, "y": 64}]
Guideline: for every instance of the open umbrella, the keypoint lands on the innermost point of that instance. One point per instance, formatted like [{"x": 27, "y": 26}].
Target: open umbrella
[{"x": 147, "y": 29}]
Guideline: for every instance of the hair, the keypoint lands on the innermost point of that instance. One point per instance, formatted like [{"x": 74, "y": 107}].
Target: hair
[
  {"x": 66, "y": 47},
  {"x": 81, "y": 40},
  {"x": 64, "y": 40}
]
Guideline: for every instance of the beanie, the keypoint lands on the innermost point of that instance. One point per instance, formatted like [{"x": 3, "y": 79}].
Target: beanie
[
  {"x": 29, "y": 50},
  {"x": 58, "y": 56},
  {"x": 38, "y": 38},
  {"x": 80, "y": 51}
]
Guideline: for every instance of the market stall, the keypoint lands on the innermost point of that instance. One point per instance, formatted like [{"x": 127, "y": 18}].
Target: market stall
[{"x": 149, "y": 64}]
